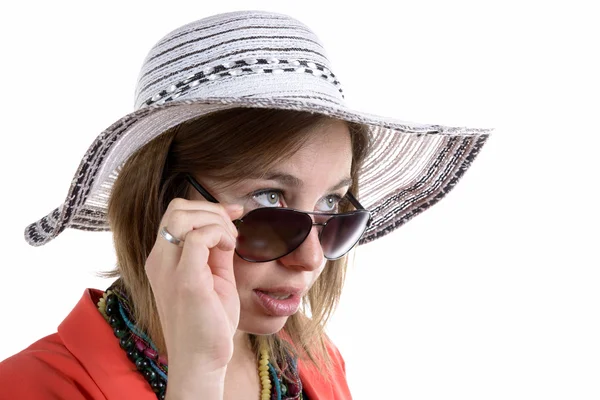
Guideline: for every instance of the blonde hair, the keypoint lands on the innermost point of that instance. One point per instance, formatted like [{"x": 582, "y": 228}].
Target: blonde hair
[{"x": 225, "y": 145}]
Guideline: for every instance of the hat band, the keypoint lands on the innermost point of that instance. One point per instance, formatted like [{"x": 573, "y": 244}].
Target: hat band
[{"x": 243, "y": 67}]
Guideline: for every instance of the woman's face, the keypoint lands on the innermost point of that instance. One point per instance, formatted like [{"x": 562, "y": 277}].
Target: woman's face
[{"x": 313, "y": 179}]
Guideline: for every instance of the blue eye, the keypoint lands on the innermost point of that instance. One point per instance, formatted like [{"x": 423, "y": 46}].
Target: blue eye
[
  {"x": 268, "y": 198},
  {"x": 329, "y": 203}
]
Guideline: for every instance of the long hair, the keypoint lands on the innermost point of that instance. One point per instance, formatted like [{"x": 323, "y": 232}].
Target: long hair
[{"x": 226, "y": 145}]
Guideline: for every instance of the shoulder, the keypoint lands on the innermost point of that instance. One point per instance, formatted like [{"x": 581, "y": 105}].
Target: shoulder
[
  {"x": 46, "y": 369},
  {"x": 336, "y": 356},
  {"x": 317, "y": 386}
]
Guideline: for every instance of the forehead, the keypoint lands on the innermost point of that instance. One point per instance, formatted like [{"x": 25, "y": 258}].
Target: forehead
[
  {"x": 326, "y": 152},
  {"x": 322, "y": 156}
]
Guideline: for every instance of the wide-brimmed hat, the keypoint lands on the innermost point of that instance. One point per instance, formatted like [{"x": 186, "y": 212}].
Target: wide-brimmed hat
[{"x": 257, "y": 59}]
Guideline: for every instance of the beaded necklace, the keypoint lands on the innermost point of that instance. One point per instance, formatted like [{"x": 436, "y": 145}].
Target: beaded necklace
[{"x": 115, "y": 308}]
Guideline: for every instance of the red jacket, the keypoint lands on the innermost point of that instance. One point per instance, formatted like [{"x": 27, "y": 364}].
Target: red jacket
[{"x": 83, "y": 360}]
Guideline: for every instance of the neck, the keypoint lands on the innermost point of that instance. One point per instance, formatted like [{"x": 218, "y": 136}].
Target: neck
[{"x": 242, "y": 350}]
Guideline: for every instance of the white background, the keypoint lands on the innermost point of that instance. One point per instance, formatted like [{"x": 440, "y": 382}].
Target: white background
[{"x": 491, "y": 294}]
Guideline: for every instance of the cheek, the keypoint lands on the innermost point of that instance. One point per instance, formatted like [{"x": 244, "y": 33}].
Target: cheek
[
  {"x": 242, "y": 273},
  {"x": 317, "y": 272},
  {"x": 248, "y": 276}
]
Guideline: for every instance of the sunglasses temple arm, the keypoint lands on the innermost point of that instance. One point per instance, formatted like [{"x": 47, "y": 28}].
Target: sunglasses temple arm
[
  {"x": 354, "y": 202},
  {"x": 200, "y": 189}
]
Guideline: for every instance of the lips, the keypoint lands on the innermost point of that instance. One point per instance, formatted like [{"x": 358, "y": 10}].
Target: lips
[
  {"x": 277, "y": 307},
  {"x": 282, "y": 291}
]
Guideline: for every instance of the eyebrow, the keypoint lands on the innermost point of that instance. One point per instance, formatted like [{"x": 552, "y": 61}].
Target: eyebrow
[{"x": 291, "y": 180}]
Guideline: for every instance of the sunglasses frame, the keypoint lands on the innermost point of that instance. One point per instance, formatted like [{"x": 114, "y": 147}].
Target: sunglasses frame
[{"x": 349, "y": 196}]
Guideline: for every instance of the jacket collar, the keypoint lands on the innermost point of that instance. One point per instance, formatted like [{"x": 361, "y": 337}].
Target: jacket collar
[{"x": 90, "y": 339}]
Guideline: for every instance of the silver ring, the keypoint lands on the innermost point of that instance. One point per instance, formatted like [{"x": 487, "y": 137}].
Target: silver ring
[{"x": 170, "y": 238}]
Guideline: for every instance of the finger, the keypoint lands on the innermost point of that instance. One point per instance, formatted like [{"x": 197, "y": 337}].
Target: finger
[
  {"x": 193, "y": 265},
  {"x": 180, "y": 222},
  {"x": 234, "y": 211},
  {"x": 184, "y": 204},
  {"x": 184, "y": 216}
]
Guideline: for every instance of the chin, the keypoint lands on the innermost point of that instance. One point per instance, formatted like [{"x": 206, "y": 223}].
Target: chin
[{"x": 262, "y": 325}]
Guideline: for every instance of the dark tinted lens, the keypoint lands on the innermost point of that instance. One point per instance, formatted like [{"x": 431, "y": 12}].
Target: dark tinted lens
[
  {"x": 269, "y": 233},
  {"x": 342, "y": 232}
]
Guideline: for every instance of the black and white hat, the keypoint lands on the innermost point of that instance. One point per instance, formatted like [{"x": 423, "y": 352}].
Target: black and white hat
[{"x": 260, "y": 59}]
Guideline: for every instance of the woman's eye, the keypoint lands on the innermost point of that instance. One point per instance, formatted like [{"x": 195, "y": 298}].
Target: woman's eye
[
  {"x": 268, "y": 198},
  {"x": 329, "y": 203}
]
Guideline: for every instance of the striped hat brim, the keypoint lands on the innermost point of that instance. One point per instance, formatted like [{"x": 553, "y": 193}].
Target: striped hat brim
[{"x": 410, "y": 166}]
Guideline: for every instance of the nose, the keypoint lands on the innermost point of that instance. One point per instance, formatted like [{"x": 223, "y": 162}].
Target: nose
[{"x": 308, "y": 256}]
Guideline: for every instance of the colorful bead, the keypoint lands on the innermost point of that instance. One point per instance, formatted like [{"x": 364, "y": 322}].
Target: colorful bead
[
  {"x": 140, "y": 346},
  {"x": 152, "y": 354},
  {"x": 158, "y": 386},
  {"x": 141, "y": 364},
  {"x": 133, "y": 355},
  {"x": 263, "y": 372},
  {"x": 110, "y": 310},
  {"x": 114, "y": 321},
  {"x": 153, "y": 367},
  {"x": 126, "y": 343},
  {"x": 120, "y": 332},
  {"x": 150, "y": 375}
]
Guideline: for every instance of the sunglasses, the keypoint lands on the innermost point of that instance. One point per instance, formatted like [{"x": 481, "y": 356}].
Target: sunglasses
[{"x": 268, "y": 233}]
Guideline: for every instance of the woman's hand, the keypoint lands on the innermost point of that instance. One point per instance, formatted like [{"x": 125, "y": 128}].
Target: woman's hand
[{"x": 194, "y": 285}]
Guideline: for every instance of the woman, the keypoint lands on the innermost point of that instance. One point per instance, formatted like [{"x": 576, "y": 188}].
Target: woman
[{"x": 233, "y": 192}]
